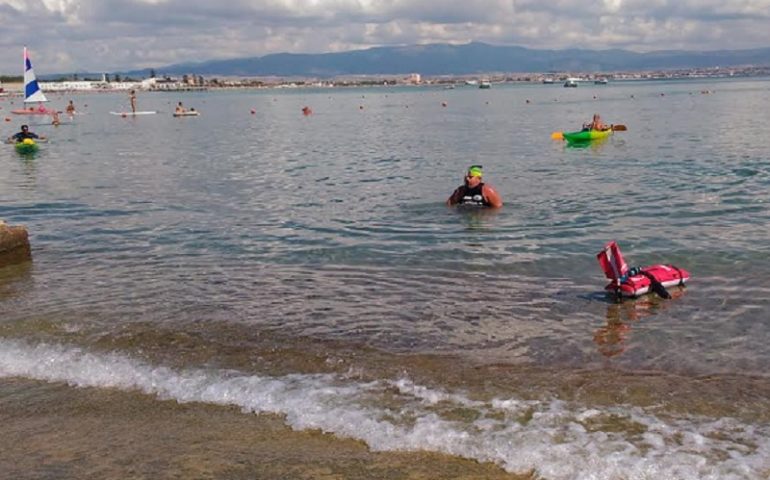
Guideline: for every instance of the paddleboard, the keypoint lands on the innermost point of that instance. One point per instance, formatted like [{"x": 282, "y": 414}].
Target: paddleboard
[
  {"x": 131, "y": 114},
  {"x": 32, "y": 112},
  {"x": 186, "y": 114}
]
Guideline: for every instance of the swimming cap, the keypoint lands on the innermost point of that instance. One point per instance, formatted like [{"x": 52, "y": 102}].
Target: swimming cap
[{"x": 475, "y": 171}]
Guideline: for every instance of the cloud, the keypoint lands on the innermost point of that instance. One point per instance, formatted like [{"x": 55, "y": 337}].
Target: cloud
[{"x": 112, "y": 35}]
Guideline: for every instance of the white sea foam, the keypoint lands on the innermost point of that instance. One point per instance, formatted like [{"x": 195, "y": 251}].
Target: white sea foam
[{"x": 553, "y": 439}]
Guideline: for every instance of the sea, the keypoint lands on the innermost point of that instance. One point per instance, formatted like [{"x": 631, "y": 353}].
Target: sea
[{"x": 257, "y": 293}]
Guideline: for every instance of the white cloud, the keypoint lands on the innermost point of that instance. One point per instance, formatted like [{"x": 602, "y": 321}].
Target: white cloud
[{"x": 110, "y": 35}]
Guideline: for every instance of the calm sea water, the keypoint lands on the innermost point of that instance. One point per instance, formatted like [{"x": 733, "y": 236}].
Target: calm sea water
[{"x": 306, "y": 266}]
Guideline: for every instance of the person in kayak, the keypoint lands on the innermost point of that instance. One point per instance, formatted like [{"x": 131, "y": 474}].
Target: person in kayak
[
  {"x": 24, "y": 134},
  {"x": 474, "y": 191},
  {"x": 596, "y": 124}
]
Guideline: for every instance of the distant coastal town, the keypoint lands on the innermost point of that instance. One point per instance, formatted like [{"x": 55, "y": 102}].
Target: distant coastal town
[{"x": 191, "y": 82}]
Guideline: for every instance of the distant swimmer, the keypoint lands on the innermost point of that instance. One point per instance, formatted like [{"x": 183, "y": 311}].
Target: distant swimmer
[
  {"x": 474, "y": 191},
  {"x": 180, "y": 108},
  {"x": 132, "y": 98},
  {"x": 23, "y": 135},
  {"x": 70, "y": 108},
  {"x": 55, "y": 118}
]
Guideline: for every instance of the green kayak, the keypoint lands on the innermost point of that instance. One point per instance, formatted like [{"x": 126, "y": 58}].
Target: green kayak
[
  {"x": 586, "y": 135},
  {"x": 27, "y": 146}
]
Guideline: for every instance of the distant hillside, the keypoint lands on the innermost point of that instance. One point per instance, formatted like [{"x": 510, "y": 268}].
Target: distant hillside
[{"x": 472, "y": 58}]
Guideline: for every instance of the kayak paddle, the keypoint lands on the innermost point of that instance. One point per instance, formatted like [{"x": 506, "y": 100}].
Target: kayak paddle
[{"x": 619, "y": 128}]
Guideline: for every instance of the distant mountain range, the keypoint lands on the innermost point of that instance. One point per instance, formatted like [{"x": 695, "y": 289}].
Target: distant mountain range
[{"x": 468, "y": 59}]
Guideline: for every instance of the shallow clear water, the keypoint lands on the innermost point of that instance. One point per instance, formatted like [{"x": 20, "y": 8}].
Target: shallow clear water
[{"x": 238, "y": 253}]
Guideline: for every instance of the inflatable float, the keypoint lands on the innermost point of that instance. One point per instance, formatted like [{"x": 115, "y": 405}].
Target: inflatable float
[
  {"x": 188, "y": 113},
  {"x": 636, "y": 281}
]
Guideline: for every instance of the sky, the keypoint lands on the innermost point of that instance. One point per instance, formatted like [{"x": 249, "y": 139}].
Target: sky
[{"x": 117, "y": 35}]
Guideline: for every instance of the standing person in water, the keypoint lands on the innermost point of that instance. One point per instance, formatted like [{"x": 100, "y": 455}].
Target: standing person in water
[
  {"x": 474, "y": 191},
  {"x": 132, "y": 98},
  {"x": 70, "y": 108}
]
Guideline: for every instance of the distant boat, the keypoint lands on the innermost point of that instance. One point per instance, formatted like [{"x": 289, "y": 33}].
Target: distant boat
[
  {"x": 601, "y": 81},
  {"x": 548, "y": 81},
  {"x": 571, "y": 82},
  {"x": 32, "y": 92},
  {"x": 471, "y": 82},
  {"x": 485, "y": 84}
]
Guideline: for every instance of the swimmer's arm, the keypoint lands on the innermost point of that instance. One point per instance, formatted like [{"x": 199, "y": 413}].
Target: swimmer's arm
[{"x": 492, "y": 197}]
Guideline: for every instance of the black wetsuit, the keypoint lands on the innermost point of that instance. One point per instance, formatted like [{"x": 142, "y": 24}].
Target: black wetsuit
[
  {"x": 21, "y": 136},
  {"x": 473, "y": 196}
]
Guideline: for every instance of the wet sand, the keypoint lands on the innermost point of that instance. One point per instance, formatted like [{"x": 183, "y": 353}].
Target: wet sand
[{"x": 52, "y": 431}]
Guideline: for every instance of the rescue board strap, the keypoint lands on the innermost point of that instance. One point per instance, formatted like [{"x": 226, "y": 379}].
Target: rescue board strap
[{"x": 656, "y": 286}]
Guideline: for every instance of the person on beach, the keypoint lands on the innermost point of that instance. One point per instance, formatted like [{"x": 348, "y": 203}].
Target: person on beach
[
  {"x": 23, "y": 135},
  {"x": 474, "y": 191},
  {"x": 596, "y": 123},
  {"x": 70, "y": 108},
  {"x": 132, "y": 98}
]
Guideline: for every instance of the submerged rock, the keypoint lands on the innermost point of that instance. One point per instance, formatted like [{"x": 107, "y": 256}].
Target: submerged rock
[{"x": 14, "y": 244}]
